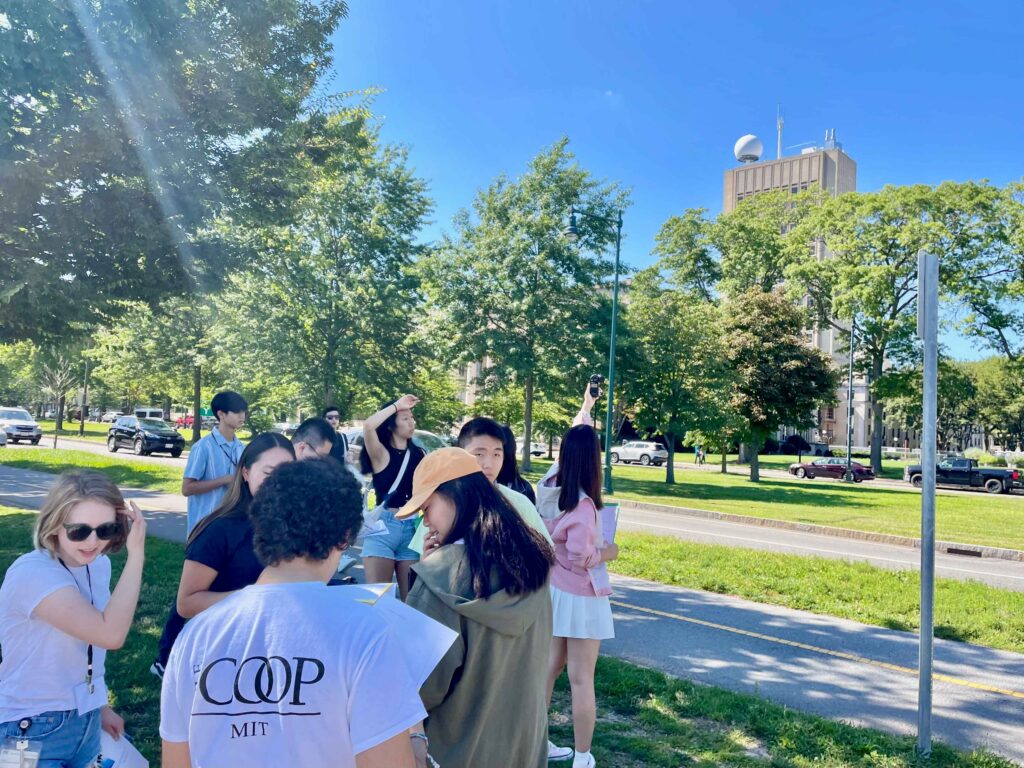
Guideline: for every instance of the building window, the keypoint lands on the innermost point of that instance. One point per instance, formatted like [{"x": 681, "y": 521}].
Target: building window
[{"x": 830, "y": 414}]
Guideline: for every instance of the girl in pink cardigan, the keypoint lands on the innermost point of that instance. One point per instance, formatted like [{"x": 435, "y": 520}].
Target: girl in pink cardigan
[{"x": 582, "y": 614}]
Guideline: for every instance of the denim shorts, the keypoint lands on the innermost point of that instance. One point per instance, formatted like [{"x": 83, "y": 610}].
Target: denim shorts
[
  {"x": 68, "y": 739},
  {"x": 392, "y": 543}
]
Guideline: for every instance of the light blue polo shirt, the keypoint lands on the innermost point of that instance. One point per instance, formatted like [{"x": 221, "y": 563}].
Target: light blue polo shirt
[{"x": 212, "y": 457}]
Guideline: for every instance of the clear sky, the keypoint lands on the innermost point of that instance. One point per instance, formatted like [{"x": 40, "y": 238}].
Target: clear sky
[{"x": 654, "y": 94}]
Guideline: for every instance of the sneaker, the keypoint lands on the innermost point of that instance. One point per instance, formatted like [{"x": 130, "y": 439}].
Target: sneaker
[
  {"x": 584, "y": 760},
  {"x": 560, "y": 753},
  {"x": 157, "y": 669}
]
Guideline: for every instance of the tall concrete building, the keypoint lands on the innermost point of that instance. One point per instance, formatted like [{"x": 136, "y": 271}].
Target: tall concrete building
[{"x": 830, "y": 169}]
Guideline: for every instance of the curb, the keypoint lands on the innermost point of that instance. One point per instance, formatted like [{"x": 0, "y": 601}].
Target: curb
[{"x": 947, "y": 547}]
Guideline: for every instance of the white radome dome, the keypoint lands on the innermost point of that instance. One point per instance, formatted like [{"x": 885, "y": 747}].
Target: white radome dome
[{"x": 748, "y": 149}]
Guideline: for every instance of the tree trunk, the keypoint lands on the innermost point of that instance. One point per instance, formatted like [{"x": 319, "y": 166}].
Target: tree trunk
[
  {"x": 725, "y": 448},
  {"x": 60, "y": 413},
  {"x": 755, "y": 465},
  {"x": 551, "y": 447},
  {"x": 197, "y": 393},
  {"x": 876, "y": 415},
  {"x": 670, "y": 465},
  {"x": 744, "y": 454},
  {"x": 84, "y": 410},
  {"x": 167, "y": 407},
  {"x": 527, "y": 424}
]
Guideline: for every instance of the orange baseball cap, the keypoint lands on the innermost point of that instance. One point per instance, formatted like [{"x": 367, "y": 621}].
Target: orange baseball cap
[{"x": 437, "y": 468}]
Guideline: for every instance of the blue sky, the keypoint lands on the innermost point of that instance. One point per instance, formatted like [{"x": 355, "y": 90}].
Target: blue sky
[{"x": 654, "y": 94}]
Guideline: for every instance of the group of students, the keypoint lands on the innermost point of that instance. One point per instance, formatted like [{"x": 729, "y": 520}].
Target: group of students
[{"x": 264, "y": 662}]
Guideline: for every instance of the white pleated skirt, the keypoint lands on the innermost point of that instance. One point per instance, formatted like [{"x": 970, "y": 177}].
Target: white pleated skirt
[{"x": 580, "y": 617}]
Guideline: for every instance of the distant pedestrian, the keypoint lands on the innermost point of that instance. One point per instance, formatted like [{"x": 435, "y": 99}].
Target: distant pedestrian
[
  {"x": 340, "y": 449},
  {"x": 391, "y": 456}
]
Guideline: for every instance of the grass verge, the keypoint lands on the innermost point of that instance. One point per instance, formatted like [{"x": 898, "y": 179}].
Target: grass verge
[
  {"x": 965, "y": 611},
  {"x": 124, "y": 472},
  {"x": 645, "y": 718},
  {"x": 974, "y": 518}
]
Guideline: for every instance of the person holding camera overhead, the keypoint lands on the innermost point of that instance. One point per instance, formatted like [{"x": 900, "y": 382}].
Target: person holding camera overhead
[
  {"x": 581, "y": 610},
  {"x": 58, "y": 618}
]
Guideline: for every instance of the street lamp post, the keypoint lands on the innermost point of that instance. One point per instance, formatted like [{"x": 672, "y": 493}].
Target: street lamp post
[
  {"x": 572, "y": 233},
  {"x": 849, "y": 408}
]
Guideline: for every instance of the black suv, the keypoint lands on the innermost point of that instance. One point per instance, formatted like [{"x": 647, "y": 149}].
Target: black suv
[{"x": 145, "y": 436}]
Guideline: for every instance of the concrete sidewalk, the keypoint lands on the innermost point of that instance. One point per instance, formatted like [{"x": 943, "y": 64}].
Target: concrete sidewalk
[{"x": 831, "y": 667}]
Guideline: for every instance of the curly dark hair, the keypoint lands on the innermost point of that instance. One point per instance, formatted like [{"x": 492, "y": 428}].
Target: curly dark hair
[{"x": 305, "y": 509}]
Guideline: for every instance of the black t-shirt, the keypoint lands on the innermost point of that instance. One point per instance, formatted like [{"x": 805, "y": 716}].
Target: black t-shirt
[{"x": 226, "y": 546}]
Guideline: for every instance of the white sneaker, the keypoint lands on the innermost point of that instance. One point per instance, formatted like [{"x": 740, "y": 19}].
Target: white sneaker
[
  {"x": 584, "y": 760},
  {"x": 560, "y": 753}
]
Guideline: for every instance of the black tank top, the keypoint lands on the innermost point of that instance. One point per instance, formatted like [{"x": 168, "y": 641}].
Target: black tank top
[{"x": 382, "y": 480}]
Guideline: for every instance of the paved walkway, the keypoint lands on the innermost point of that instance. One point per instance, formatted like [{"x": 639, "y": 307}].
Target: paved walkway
[{"x": 831, "y": 667}]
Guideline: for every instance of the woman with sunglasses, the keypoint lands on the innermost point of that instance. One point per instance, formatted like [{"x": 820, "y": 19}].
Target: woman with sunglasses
[
  {"x": 219, "y": 555},
  {"x": 58, "y": 618}
]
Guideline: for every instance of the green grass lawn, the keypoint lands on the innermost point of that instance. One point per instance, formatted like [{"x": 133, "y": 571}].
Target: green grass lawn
[
  {"x": 123, "y": 471},
  {"x": 968, "y": 518},
  {"x": 966, "y": 611},
  {"x": 644, "y": 717}
]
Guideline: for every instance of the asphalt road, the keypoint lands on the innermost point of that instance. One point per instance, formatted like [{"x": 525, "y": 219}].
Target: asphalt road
[{"x": 831, "y": 667}]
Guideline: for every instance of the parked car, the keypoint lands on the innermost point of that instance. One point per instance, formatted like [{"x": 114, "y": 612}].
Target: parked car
[
  {"x": 965, "y": 473},
  {"x": 3, "y": 438},
  {"x": 110, "y": 417},
  {"x": 145, "y": 436},
  {"x": 834, "y": 468},
  {"x": 285, "y": 428},
  {"x": 642, "y": 451},
  {"x": 536, "y": 449},
  {"x": 18, "y": 425}
]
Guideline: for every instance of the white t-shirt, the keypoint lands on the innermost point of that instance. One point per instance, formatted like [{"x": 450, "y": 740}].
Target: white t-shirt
[
  {"x": 41, "y": 665},
  {"x": 287, "y": 674}
]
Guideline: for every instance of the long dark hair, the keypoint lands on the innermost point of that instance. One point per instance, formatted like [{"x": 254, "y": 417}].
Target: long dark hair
[
  {"x": 496, "y": 538},
  {"x": 384, "y": 433},
  {"x": 579, "y": 467},
  {"x": 238, "y": 497}
]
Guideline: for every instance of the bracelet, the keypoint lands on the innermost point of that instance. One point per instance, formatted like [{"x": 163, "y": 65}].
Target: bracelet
[
  {"x": 396, "y": 407},
  {"x": 420, "y": 735}
]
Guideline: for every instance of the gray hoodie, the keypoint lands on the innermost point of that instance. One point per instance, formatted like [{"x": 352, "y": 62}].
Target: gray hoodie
[{"x": 486, "y": 699}]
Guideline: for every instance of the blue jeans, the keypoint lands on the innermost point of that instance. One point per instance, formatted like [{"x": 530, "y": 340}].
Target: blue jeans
[
  {"x": 69, "y": 740},
  {"x": 393, "y": 543}
]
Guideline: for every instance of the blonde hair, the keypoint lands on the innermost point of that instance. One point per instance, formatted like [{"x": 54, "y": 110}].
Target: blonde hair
[{"x": 72, "y": 488}]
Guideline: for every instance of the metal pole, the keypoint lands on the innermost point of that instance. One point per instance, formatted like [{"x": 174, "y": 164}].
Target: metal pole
[
  {"x": 84, "y": 405},
  {"x": 849, "y": 407},
  {"x": 611, "y": 363},
  {"x": 927, "y": 329}
]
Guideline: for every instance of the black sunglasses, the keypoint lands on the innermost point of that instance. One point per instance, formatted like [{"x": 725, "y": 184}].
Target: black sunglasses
[{"x": 81, "y": 531}]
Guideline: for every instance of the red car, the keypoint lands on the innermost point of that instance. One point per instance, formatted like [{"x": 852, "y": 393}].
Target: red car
[{"x": 834, "y": 468}]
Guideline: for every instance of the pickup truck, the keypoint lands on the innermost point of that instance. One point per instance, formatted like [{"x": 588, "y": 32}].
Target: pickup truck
[{"x": 965, "y": 473}]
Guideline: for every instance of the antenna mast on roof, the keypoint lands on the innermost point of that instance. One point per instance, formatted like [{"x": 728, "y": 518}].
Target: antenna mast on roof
[{"x": 778, "y": 125}]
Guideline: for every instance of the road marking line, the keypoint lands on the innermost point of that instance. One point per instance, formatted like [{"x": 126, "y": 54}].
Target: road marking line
[{"x": 824, "y": 651}]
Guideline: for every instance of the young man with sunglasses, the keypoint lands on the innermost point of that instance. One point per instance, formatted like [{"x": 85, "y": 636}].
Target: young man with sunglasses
[{"x": 211, "y": 466}]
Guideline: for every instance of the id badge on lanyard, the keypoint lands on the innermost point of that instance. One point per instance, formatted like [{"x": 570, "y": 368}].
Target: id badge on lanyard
[{"x": 91, "y": 693}]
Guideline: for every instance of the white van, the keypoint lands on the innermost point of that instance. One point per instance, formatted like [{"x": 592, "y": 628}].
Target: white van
[{"x": 149, "y": 413}]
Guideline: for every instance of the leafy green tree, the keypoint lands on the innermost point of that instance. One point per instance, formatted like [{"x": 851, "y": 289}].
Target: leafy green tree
[
  {"x": 17, "y": 373},
  {"x": 870, "y": 275},
  {"x": 1000, "y": 400},
  {"x": 335, "y": 296},
  {"x": 518, "y": 295},
  {"x": 780, "y": 379},
  {"x": 958, "y": 409},
  {"x": 124, "y": 125},
  {"x": 685, "y": 382}
]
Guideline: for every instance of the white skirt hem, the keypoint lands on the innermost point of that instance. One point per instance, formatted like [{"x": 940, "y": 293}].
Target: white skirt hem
[{"x": 581, "y": 617}]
